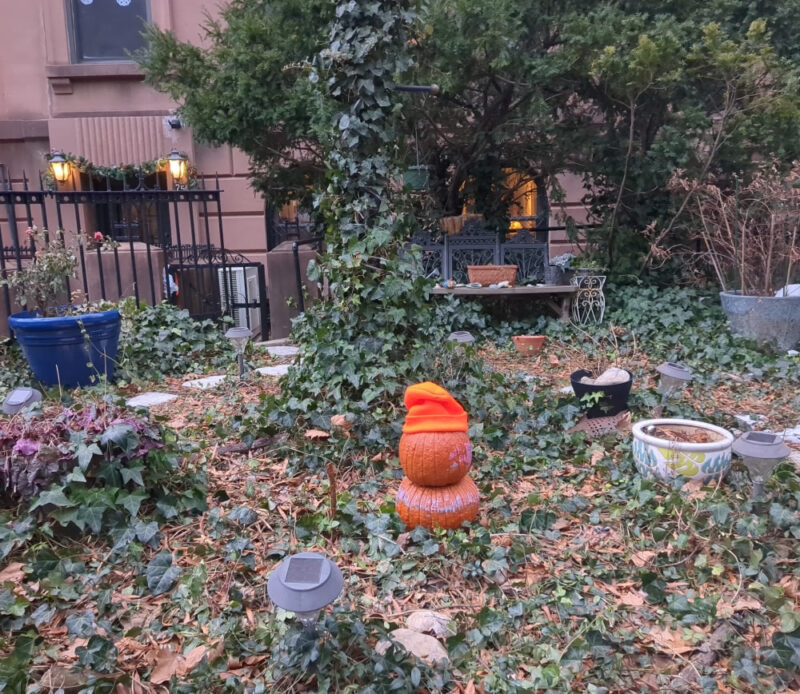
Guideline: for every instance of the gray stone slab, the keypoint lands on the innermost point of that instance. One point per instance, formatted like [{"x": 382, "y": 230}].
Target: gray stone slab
[
  {"x": 281, "y": 341},
  {"x": 149, "y": 399},
  {"x": 203, "y": 383},
  {"x": 279, "y": 370},
  {"x": 283, "y": 351},
  {"x": 748, "y": 421},
  {"x": 791, "y": 435}
]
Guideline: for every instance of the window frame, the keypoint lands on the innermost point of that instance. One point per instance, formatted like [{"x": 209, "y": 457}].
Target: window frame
[{"x": 72, "y": 38}]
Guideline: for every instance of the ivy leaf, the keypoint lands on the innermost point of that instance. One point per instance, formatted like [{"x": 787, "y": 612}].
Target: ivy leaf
[
  {"x": 787, "y": 650},
  {"x": 52, "y": 497},
  {"x": 161, "y": 574},
  {"x": 86, "y": 453},
  {"x": 147, "y": 533},
  {"x": 80, "y": 624},
  {"x": 121, "y": 435},
  {"x": 75, "y": 476},
  {"x": 243, "y": 515},
  {"x": 131, "y": 501},
  {"x": 91, "y": 516},
  {"x": 132, "y": 474},
  {"x": 43, "y": 614}
]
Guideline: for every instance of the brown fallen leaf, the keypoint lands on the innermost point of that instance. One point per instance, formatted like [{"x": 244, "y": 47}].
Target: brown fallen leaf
[
  {"x": 632, "y": 598},
  {"x": 317, "y": 434},
  {"x": 166, "y": 666},
  {"x": 192, "y": 659},
  {"x": 12, "y": 573},
  {"x": 642, "y": 557},
  {"x": 726, "y": 609},
  {"x": 669, "y": 641},
  {"x": 340, "y": 420},
  {"x": 553, "y": 360}
]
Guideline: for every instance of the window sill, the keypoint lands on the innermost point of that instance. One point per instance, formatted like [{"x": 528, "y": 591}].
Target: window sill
[{"x": 61, "y": 76}]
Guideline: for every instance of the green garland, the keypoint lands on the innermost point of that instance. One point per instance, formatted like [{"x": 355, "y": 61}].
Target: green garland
[{"x": 121, "y": 172}]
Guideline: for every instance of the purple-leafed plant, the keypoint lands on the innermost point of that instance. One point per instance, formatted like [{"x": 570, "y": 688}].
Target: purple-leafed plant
[{"x": 93, "y": 466}]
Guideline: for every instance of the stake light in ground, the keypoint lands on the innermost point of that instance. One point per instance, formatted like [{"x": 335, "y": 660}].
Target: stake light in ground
[
  {"x": 761, "y": 451},
  {"x": 239, "y": 337},
  {"x": 305, "y": 584},
  {"x": 674, "y": 378}
]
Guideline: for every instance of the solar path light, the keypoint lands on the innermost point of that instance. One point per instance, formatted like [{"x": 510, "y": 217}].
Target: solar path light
[
  {"x": 305, "y": 583},
  {"x": 20, "y": 398},
  {"x": 761, "y": 452},
  {"x": 239, "y": 337},
  {"x": 674, "y": 378}
]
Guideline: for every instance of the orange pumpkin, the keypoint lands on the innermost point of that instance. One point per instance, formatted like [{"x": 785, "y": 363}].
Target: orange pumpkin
[
  {"x": 447, "y": 507},
  {"x": 435, "y": 458}
]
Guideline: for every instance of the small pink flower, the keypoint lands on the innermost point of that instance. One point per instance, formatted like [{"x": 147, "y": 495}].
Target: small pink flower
[
  {"x": 98, "y": 236},
  {"x": 29, "y": 231}
]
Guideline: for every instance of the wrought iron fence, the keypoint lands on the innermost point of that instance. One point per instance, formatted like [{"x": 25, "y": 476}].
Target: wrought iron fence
[{"x": 157, "y": 244}]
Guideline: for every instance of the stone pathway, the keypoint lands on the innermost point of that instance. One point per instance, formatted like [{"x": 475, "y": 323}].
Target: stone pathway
[
  {"x": 206, "y": 382},
  {"x": 149, "y": 399},
  {"x": 283, "y": 351},
  {"x": 277, "y": 370},
  {"x": 276, "y": 348}
]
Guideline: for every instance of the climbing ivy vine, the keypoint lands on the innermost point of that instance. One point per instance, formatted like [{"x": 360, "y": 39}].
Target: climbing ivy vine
[{"x": 370, "y": 337}]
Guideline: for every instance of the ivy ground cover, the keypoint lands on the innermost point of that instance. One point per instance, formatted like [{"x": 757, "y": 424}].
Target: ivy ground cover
[{"x": 577, "y": 575}]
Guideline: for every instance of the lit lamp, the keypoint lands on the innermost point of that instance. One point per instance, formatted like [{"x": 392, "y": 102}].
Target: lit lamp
[
  {"x": 305, "y": 583},
  {"x": 239, "y": 337},
  {"x": 178, "y": 166},
  {"x": 59, "y": 167},
  {"x": 760, "y": 451}
]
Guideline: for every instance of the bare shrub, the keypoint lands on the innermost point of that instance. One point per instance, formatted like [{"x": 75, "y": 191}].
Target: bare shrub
[{"x": 747, "y": 236}]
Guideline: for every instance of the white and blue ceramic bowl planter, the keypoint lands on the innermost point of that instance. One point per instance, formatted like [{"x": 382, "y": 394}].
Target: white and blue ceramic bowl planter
[{"x": 658, "y": 456}]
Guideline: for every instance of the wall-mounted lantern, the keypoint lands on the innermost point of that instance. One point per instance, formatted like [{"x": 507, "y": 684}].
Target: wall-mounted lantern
[
  {"x": 178, "y": 166},
  {"x": 59, "y": 167}
]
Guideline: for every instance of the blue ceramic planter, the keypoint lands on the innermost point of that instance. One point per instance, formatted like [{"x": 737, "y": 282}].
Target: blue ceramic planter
[{"x": 69, "y": 350}]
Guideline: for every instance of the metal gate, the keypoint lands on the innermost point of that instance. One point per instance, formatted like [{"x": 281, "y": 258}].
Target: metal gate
[{"x": 133, "y": 237}]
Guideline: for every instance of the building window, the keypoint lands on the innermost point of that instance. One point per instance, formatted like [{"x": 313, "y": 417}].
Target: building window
[{"x": 106, "y": 30}]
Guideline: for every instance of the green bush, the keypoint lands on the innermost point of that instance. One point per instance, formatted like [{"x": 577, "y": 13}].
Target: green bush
[{"x": 163, "y": 340}]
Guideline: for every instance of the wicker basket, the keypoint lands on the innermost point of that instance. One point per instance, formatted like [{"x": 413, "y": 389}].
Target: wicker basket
[{"x": 492, "y": 274}]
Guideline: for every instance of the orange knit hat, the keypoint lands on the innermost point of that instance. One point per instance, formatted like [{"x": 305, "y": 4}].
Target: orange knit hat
[{"x": 432, "y": 408}]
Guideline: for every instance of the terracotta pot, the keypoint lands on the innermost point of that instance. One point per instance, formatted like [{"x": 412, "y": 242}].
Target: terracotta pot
[{"x": 528, "y": 344}]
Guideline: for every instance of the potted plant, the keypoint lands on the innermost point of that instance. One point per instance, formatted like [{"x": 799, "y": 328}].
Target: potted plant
[
  {"x": 588, "y": 265},
  {"x": 603, "y": 385},
  {"x": 65, "y": 343},
  {"x": 559, "y": 270},
  {"x": 747, "y": 236},
  {"x": 666, "y": 448}
]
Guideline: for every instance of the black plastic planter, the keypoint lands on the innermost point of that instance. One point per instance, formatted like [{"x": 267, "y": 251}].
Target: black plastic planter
[{"x": 614, "y": 400}]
